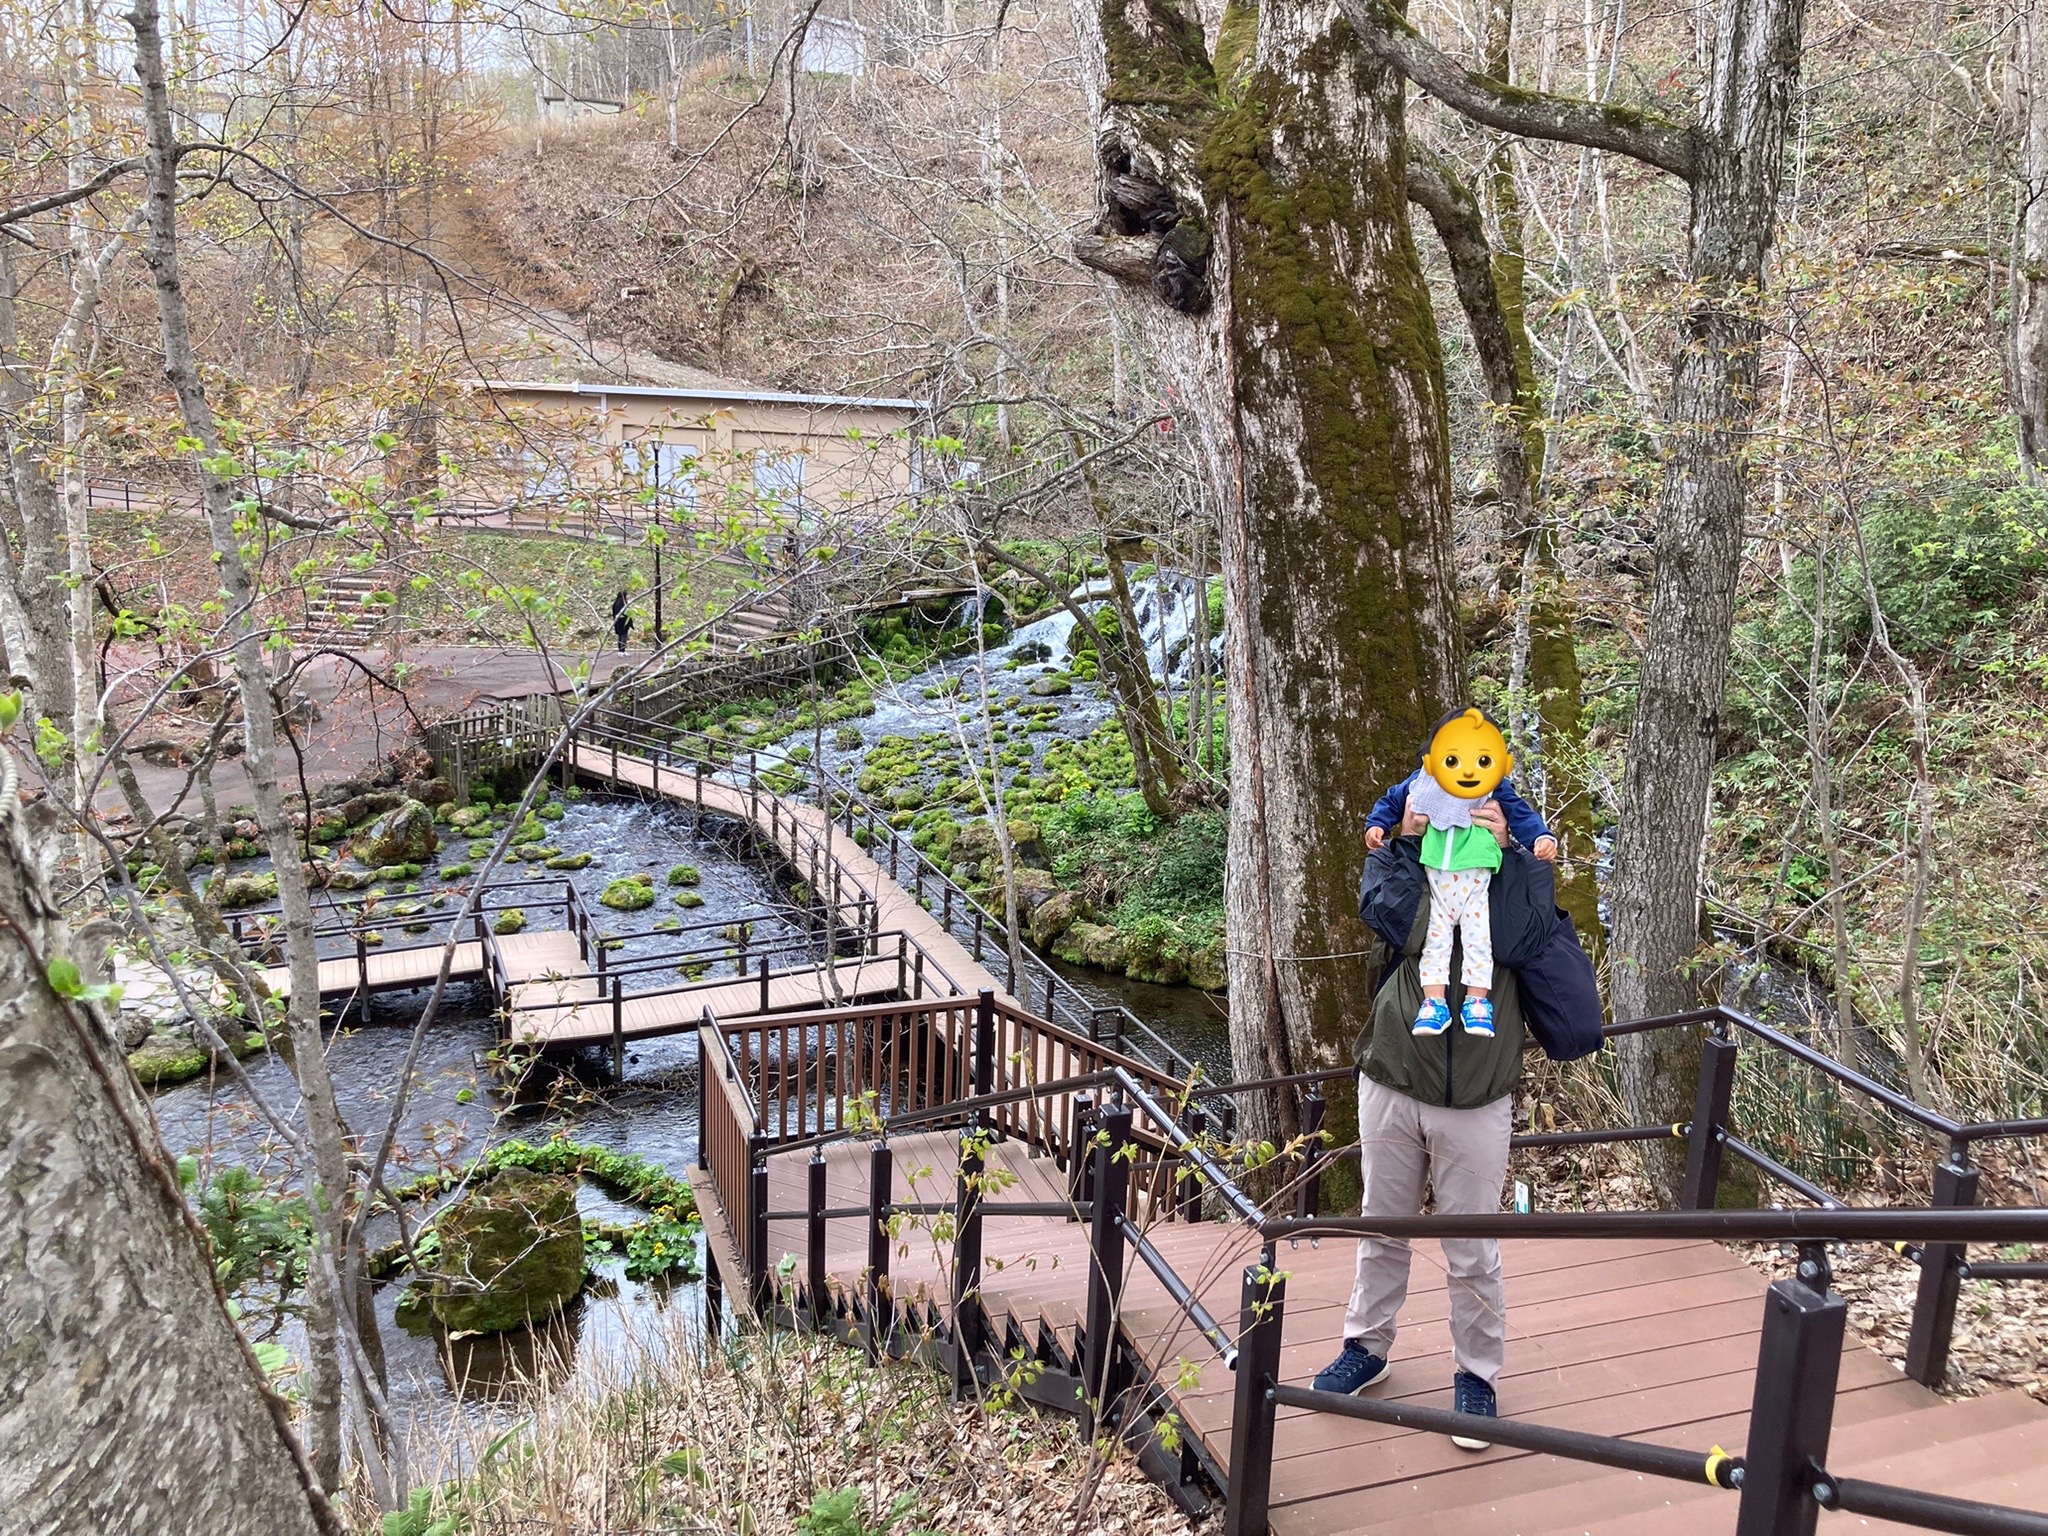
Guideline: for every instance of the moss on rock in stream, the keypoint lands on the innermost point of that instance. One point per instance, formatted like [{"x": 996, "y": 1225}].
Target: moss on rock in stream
[
  {"x": 630, "y": 893},
  {"x": 511, "y": 1253}
]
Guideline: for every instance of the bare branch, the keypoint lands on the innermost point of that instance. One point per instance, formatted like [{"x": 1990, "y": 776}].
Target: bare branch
[
  {"x": 1639, "y": 135},
  {"x": 71, "y": 195}
]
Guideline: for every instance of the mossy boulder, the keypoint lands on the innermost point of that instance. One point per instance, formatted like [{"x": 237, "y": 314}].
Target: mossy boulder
[
  {"x": 174, "y": 1056},
  {"x": 1034, "y": 889},
  {"x": 245, "y": 890},
  {"x": 1056, "y": 914},
  {"x": 470, "y": 818},
  {"x": 404, "y": 834},
  {"x": 684, "y": 874},
  {"x": 511, "y": 920},
  {"x": 1207, "y": 969},
  {"x": 569, "y": 861},
  {"x": 1051, "y": 686},
  {"x": 1094, "y": 944},
  {"x": 633, "y": 893},
  {"x": 511, "y": 1253},
  {"x": 689, "y": 900}
]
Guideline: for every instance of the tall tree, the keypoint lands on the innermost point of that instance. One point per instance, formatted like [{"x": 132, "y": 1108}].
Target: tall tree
[
  {"x": 128, "y": 1401},
  {"x": 2027, "y": 111},
  {"x": 1260, "y": 199},
  {"x": 331, "y": 1303},
  {"x": 1731, "y": 157}
]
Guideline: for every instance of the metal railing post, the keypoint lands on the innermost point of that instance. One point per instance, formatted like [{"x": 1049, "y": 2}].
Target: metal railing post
[
  {"x": 1196, "y": 1122},
  {"x": 1260, "y": 1315},
  {"x": 880, "y": 1309},
  {"x": 814, "y": 1244},
  {"x": 1941, "y": 1265},
  {"x": 984, "y": 1078},
  {"x": 1081, "y": 1159},
  {"x": 1792, "y": 1413},
  {"x": 764, "y": 981},
  {"x": 757, "y": 1221},
  {"x": 363, "y": 971},
  {"x": 618, "y": 1031},
  {"x": 969, "y": 1325},
  {"x": 1307, "y": 1198},
  {"x": 1101, "y": 1382},
  {"x": 1709, "y": 1124}
]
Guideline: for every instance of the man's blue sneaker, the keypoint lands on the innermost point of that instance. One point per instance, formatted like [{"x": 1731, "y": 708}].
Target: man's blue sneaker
[
  {"x": 1477, "y": 1014},
  {"x": 1354, "y": 1369},
  {"x": 1433, "y": 1017},
  {"x": 1475, "y": 1397}
]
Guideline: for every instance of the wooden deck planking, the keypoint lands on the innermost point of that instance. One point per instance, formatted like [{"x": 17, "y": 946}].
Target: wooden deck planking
[
  {"x": 536, "y": 1021},
  {"x": 390, "y": 970},
  {"x": 1651, "y": 1340},
  {"x": 895, "y": 908}
]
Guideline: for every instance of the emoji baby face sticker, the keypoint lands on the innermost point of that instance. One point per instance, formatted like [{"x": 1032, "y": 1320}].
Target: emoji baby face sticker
[{"x": 1468, "y": 756}]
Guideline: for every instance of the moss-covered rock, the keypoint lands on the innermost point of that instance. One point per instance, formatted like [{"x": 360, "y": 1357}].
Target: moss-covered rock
[
  {"x": 684, "y": 874},
  {"x": 1055, "y": 915},
  {"x": 403, "y": 835},
  {"x": 511, "y": 1253},
  {"x": 634, "y": 893},
  {"x": 244, "y": 890},
  {"x": 1208, "y": 969},
  {"x": 689, "y": 900},
  {"x": 569, "y": 861},
  {"x": 511, "y": 920},
  {"x": 471, "y": 818},
  {"x": 1094, "y": 944}
]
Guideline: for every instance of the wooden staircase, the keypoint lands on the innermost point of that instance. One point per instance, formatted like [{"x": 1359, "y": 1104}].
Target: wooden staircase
[{"x": 347, "y": 608}]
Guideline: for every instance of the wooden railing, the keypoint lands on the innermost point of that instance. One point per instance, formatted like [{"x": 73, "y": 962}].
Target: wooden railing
[{"x": 727, "y": 1133}]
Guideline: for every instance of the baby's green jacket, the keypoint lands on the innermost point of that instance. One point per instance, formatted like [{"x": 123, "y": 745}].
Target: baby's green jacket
[{"x": 1459, "y": 848}]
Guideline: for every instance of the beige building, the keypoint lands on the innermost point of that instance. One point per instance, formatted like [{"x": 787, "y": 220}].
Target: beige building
[{"x": 545, "y": 450}]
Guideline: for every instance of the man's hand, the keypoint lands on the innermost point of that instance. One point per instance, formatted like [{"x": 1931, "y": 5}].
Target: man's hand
[
  {"x": 1413, "y": 822},
  {"x": 1545, "y": 849},
  {"x": 1494, "y": 819},
  {"x": 1374, "y": 837}
]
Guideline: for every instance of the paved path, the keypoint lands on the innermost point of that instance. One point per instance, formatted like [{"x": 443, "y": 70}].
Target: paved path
[{"x": 361, "y": 724}]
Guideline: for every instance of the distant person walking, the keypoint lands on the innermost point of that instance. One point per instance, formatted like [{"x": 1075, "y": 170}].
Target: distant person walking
[{"x": 622, "y": 621}]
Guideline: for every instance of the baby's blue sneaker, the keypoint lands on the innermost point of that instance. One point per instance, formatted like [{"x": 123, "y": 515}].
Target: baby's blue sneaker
[
  {"x": 1477, "y": 1015},
  {"x": 1433, "y": 1017}
]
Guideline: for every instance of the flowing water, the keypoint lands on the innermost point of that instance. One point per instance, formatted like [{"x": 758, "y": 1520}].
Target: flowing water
[{"x": 455, "y": 1105}]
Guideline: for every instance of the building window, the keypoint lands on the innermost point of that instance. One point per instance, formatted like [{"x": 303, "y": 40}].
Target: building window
[
  {"x": 779, "y": 479},
  {"x": 668, "y": 469}
]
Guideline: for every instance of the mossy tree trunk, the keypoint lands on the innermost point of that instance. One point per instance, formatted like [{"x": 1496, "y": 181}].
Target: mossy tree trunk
[
  {"x": 1549, "y": 735},
  {"x": 1731, "y": 158},
  {"x": 1261, "y": 199}
]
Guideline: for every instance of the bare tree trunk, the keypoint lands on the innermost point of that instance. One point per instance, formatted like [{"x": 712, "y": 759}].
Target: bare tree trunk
[
  {"x": 36, "y": 590},
  {"x": 128, "y": 1402},
  {"x": 1261, "y": 199},
  {"x": 328, "y": 1181},
  {"x": 2029, "y": 342},
  {"x": 1674, "y": 738},
  {"x": 1550, "y": 738}
]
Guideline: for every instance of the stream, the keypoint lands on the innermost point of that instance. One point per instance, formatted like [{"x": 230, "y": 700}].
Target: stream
[{"x": 456, "y": 1105}]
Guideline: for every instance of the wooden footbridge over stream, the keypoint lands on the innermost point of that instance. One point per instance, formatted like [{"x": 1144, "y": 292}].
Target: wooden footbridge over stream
[{"x": 914, "y": 1139}]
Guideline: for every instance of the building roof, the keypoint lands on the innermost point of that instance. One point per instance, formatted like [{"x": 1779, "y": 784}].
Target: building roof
[{"x": 735, "y": 392}]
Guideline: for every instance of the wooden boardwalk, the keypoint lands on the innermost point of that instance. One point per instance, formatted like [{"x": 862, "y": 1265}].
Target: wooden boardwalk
[
  {"x": 1647, "y": 1339},
  {"x": 558, "y": 1011},
  {"x": 806, "y": 839}
]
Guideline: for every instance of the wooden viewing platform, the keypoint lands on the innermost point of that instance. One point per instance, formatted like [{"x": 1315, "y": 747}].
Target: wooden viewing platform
[{"x": 1645, "y": 1339}]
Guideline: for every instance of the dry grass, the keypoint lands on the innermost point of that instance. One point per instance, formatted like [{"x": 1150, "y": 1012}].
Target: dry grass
[{"x": 775, "y": 1433}]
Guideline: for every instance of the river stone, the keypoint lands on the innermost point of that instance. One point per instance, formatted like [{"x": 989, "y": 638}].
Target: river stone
[
  {"x": 342, "y": 878},
  {"x": 569, "y": 861},
  {"x": 1093, "y": 944},
  {"x": 245, "y": 890},
  {"x": 403, "y": 835},
  {"x": 1208, "y": 969},
  {"x": 510, "y": 921},
  {"x": 511, "y": 1253},
  {"x": 1051, "y": 686},
  {"x": 631, "y": 894},
  {"x": 1034, "y": 888},
  {"x": 1056, "y": 915},
  {"x": 470, "y": 816}
]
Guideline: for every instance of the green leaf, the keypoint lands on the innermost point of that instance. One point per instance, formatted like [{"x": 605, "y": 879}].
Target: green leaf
[{"x": 64, "y": 978}]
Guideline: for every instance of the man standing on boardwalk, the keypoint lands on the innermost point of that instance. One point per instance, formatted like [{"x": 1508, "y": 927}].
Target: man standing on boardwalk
[{"x": 1433, "y": 1109}]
